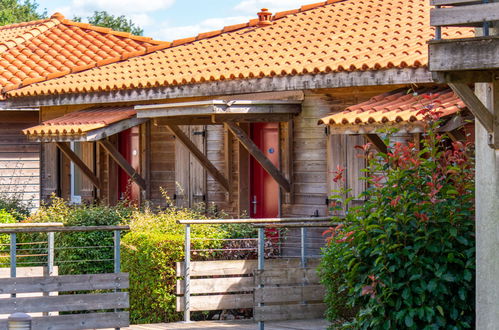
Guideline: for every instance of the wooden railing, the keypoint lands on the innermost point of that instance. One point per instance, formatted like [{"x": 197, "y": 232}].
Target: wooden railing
[
  {"x": 464, "y": 13},
  {"x": 93, "y": 304},
  {"x": 258, "y": 284}
]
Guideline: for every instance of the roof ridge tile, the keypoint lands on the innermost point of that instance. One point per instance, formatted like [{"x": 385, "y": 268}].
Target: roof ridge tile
[{"x": 111, "y": 31}]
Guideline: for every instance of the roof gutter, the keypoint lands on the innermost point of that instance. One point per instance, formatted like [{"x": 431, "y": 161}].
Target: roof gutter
[{"x": 233, "y": 87}]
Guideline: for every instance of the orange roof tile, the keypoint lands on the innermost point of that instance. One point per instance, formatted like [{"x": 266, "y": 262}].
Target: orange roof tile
[
  {"x": 397, "y": 107},
  {"x": 330, "y": 36},
  {"x": 80, "y": 122},
  {"x": 35, "y": 51}
]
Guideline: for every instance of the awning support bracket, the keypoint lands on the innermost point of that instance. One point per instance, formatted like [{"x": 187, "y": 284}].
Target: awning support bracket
[
  {"x": 123, "y": 163},
  {"x": 201, "y": 157},
  {"x": 474, "y": 104},
  {"x": 66, "y": 150},
  {"x": 377, "y": 142},
  {"x": 254, "y": 151}
]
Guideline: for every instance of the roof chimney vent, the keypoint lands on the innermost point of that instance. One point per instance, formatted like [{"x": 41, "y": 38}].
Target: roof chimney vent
[
  {"x": 264, "y": 17},
  {"x": 58, "y": 16}
]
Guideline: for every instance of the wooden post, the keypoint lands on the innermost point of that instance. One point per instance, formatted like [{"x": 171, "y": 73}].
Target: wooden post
[
  {"x": 259, "y": 156},
  {"x": 487, "y": 214}
]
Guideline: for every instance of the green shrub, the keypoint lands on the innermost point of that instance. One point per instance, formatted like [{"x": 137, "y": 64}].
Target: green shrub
[
  {"x": 82, "y": 252},
  {"x": 15, "y": 206},
  {"x": 405, "y": 259},
  {"x": 150, "y": 252},
  {"x": 5, "y": 217}
]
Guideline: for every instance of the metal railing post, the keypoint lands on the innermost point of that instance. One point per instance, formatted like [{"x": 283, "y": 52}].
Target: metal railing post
[
  {"x": 50, "y": 254},
  {"x": 117, "y": 257},
  {"x": 261, "y": 264},
  {"x": 187, "y": 275},
  {"x": 19, "y": 321},
  {"x": 303, "y": 239},
  {"x": 49, "y": 269},
  {"x": 13, "y": 270},
  {"x": 438, "y": 29}
]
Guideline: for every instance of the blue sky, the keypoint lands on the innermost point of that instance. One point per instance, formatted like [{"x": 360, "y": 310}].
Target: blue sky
[{"x": 173, "y": 19}]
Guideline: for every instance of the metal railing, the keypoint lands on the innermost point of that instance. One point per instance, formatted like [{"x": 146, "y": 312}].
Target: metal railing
[
  {"x": 303, "y": 224},
  {"x": 42, "y": 252}
]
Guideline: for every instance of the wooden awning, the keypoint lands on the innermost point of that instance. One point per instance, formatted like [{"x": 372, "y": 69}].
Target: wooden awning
[
  {"x": 400, "y": 108},
  {"x": 86, "y": 125},
  {"x": 220, "y": 111}
]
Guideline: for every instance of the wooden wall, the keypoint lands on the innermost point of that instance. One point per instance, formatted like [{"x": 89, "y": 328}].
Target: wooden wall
[
  {"x": 162, "y": 164},
  {"x": 19, "y": 158},
  {"x": 308, "y": 157}
]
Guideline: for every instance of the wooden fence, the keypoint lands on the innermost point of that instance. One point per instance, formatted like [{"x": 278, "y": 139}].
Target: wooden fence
[
  {"x": 288, "y": 293},
  {"x": 276, "y": 289},
  {"x": 69, "y": 302},
  {"x": 96, "y": 297}
]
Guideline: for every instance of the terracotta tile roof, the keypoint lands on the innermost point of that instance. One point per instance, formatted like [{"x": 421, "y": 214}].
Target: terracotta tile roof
[
  {"x": 80, "y": 122},
  {"x": 40, "y": 50},
  {"x": 330, "y": 36},
  {"x": 397, "y": 107}
]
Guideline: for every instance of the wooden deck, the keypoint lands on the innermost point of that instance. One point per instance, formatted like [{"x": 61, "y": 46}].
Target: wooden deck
[{"x": 317, "y": 324}]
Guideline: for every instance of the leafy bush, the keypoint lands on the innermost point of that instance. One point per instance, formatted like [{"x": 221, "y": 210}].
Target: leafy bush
[
  {"x": 5, "y": 217},
  {"x": 150, "y": 252},
  {"x": 80, "y": 252},
  {"x": 405, "y": 258},
  {"x": 15, "y": 206}
]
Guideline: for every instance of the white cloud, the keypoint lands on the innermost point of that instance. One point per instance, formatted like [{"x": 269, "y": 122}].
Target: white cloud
[
  {"x": 140, "y": 14},
  {"x": 254, "y": 6},
  {"x": 121, "y": 7},
  {"x": 171, "y": 33}
]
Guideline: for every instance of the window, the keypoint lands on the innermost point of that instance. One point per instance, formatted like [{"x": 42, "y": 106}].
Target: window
[{"x": 76, "y": 175}]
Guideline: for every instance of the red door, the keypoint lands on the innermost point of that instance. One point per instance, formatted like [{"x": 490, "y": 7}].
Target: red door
[
  {"x": 128, "y": 146},
  {"x": 264, "y": 192}
]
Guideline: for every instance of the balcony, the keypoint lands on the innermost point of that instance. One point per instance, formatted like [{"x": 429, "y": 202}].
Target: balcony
[{"x": 456, "y": 56}]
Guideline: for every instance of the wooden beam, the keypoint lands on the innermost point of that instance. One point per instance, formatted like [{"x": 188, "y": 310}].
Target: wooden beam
[
  {"x": 394, "y": 76},
  {"x": 66, "y": 150},
  {"x": 467, "y": 54},
  {"x": 463, "y": 76},
  {"x": 474, "y": 105},
  {"x": 454, "y": 2},
  {"x": 259, "y": 156},
  {"x": 122, "y": 162},
  {"x": 456, "y": 135},
  {"x": 464, "y": 15},
  {"x": 377, "y": 142},
  {"x": 201, "y": 157}
]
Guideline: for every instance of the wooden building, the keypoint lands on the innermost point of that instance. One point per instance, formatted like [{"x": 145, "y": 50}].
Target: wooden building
[
  {"x": 41, "y": 50},
  {"x": 230, "y": 117}
]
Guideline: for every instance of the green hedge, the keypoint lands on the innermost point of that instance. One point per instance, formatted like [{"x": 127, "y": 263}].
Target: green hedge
[
  {"x": 150, "y": 249},
  {"x": 83, "y": 252},
  {"x": 150, "y": 252}
]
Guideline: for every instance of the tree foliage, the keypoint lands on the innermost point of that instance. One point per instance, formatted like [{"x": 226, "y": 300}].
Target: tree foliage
[
  {"x": 405, "y": 258},
  {"x": 15, "y": 11},
  {"x": 117, "y": 23}
]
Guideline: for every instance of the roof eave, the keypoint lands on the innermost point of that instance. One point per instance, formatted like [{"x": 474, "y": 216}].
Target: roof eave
[{"x": 395, "y": 76}]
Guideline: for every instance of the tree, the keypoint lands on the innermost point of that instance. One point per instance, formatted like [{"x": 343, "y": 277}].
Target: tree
[
  {"x": 14, "y": 11},
  {"x": 117, "y": 23}
]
